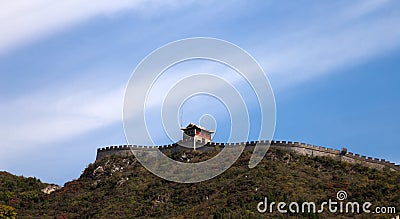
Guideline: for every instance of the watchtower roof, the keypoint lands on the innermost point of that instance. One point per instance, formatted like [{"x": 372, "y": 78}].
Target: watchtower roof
[{"x": 194, "y": 126}]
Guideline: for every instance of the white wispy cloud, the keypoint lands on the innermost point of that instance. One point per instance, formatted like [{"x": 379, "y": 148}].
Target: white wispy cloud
[
  {"x": 315, "y": 55},
  {"x": 363, "y": 8},
  {"x": 55, "y": 115},
  {"x": 25, "y": 21},
  {"x": 342, "y": 41}
]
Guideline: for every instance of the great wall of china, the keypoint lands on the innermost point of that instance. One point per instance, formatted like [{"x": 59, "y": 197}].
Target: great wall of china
[{"x": 300, "y": 148}]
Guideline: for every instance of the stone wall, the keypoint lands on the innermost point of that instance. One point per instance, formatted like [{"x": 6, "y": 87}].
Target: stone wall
[{"x": 300, "y": 148}]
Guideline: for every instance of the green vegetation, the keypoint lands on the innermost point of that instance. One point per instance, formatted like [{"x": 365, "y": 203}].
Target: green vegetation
[
  {"x": 119, "y": 187},
  {"x": 7, "y": 212},
  {"x": 18, "y": 192}
]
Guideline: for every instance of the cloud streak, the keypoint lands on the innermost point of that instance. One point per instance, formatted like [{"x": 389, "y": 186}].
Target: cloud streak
[
  {"x": 41, "y": 119},
  {"x": 25, "y": 21},
  {"x": 330, "y": 45}
]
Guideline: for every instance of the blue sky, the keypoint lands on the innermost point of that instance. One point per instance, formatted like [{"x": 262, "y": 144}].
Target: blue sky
[{"x": 334, "y": 68}]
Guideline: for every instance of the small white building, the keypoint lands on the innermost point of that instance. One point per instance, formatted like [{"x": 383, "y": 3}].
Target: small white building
[{"x": 193, "y": 132}]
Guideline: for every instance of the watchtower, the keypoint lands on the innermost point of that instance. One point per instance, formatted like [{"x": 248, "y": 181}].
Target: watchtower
[{"x": 193, "y": 132}]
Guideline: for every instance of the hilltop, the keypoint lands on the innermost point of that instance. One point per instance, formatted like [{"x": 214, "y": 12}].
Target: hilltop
[{"x": 119, "y": 187}]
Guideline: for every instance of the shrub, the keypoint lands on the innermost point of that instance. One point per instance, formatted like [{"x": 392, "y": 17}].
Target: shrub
[{"x": 7, "y": 212}]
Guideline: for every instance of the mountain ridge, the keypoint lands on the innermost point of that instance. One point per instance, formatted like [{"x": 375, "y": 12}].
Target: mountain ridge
[{"x": 119, "y": 187}]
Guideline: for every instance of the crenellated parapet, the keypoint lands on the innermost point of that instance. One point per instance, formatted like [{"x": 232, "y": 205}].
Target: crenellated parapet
[{"x": 298, "y": 147}]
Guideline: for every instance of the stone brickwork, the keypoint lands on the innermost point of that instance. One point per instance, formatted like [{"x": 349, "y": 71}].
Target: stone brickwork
[{"x": 300, "y": 148}]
